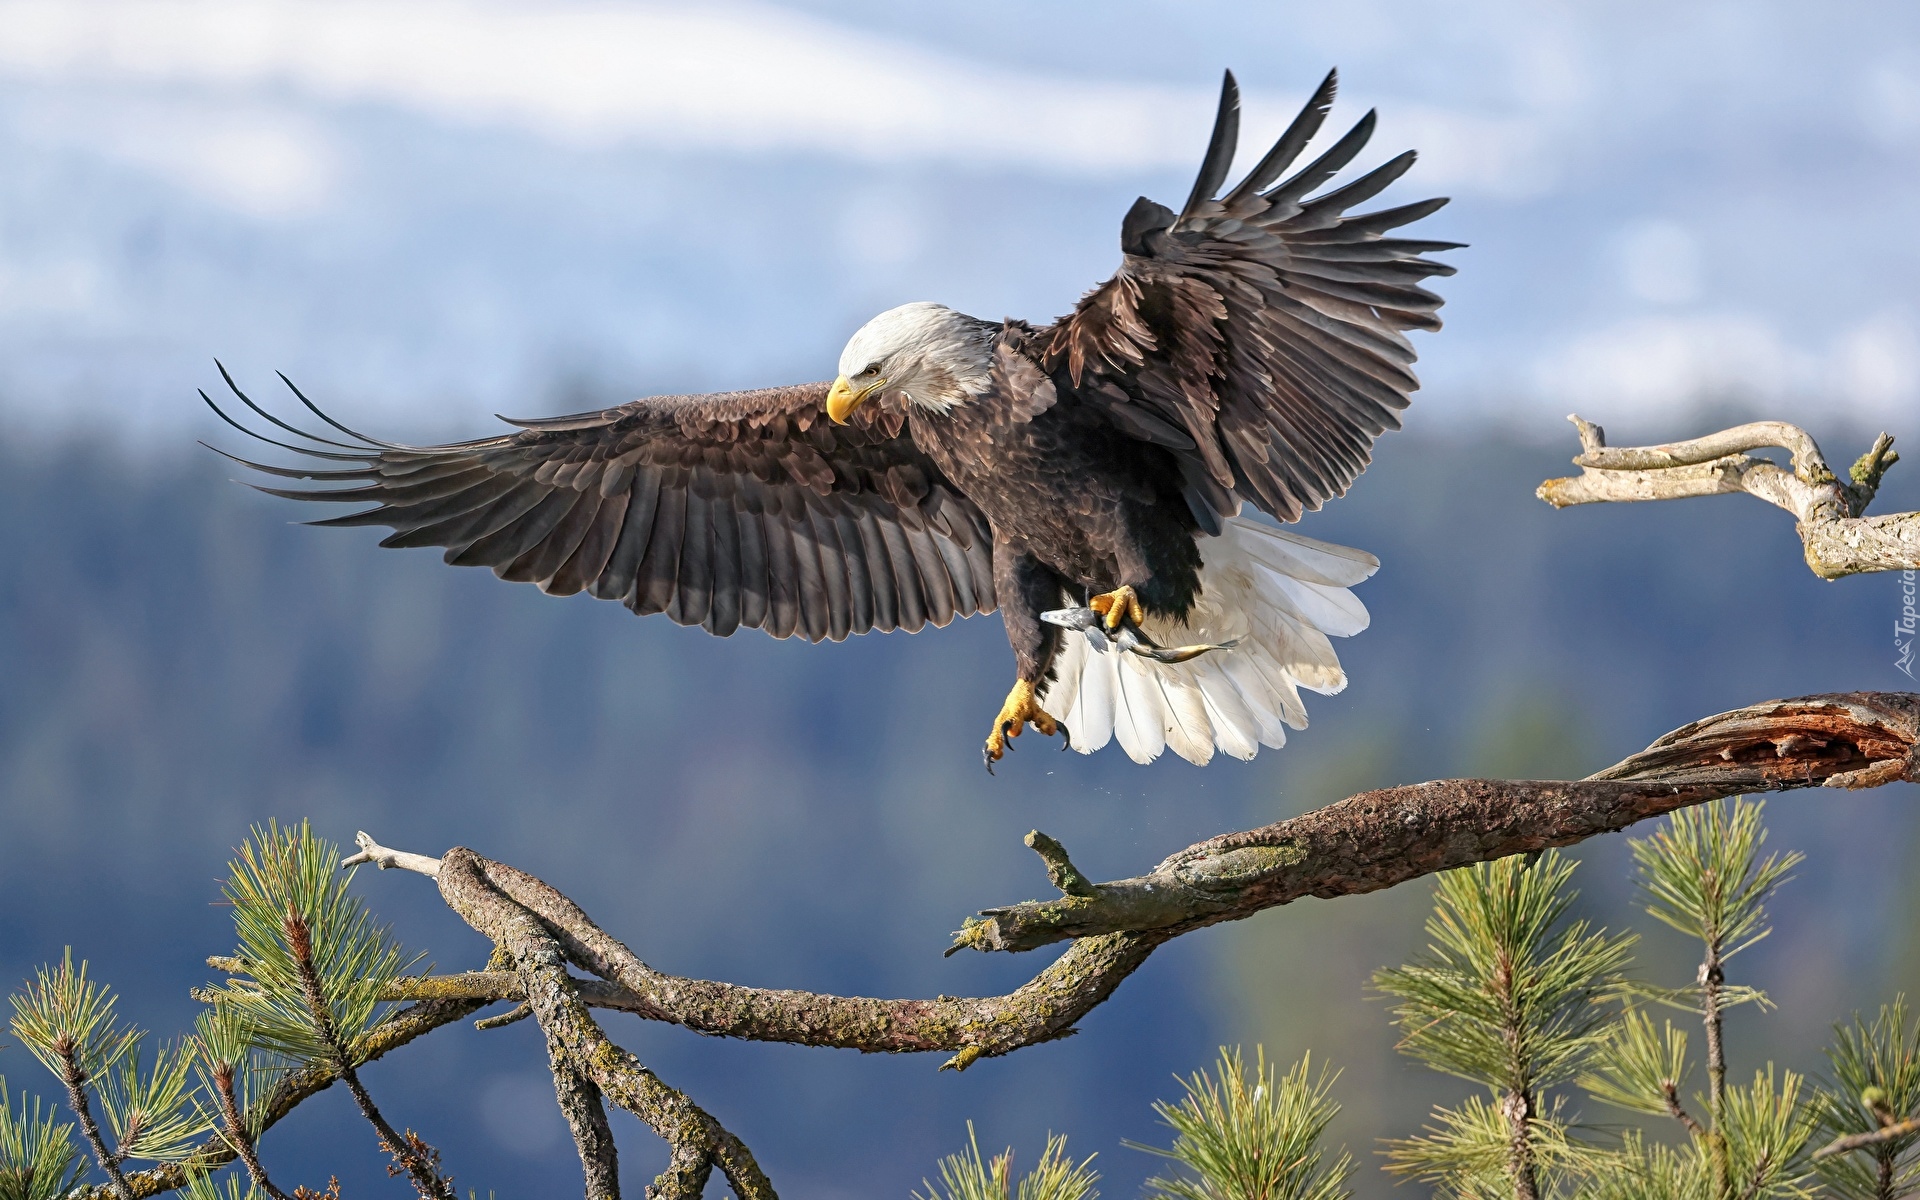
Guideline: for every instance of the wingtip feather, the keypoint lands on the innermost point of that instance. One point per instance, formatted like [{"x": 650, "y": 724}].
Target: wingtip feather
[{"x": 1220, "y": 147}]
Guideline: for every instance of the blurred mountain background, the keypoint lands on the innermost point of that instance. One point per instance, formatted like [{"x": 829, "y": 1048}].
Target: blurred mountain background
[{"x": 1683, "y": 215}]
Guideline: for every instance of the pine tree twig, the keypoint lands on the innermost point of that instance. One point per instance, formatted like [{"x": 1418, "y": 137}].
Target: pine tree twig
[
  {"x": 1712, "y": 977},
  {"x": 1671, "y": 1094},
  {"x": 1759, "y": 1180},
  {"x": 1517, "y": 1108},
  {"x": 1836, "y": 535},
  {"x": 576, "y": 1044},
  {"x": 75, "y": 1081},
  {"x": 406, "y": 1149},
  {"x": 293, "y": 1089},
  {"x": 1860, "y": 1141},
  {"x": 235, "y": 1126}
]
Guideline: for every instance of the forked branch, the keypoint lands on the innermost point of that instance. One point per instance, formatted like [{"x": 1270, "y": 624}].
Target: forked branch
[
  {"x": 1837, "y": 536},
  {"x": 578, "y": 1049}
]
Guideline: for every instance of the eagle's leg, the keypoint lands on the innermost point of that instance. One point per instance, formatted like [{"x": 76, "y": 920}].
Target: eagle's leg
[
  {"x": 1118, "y": 605},
  {"x": 1025, "y": 587}
]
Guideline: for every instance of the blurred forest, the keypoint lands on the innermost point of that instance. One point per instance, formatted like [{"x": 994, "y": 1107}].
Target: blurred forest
[{"x": 177, "y": 661}]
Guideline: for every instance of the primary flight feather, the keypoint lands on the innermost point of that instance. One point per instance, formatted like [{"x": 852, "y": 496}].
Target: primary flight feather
[{"x": 1084, "y": 477}]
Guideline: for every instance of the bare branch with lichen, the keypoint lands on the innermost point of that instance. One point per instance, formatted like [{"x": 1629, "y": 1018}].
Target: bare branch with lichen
[
  {"x": 1838, "y": 537},
  {"x": 576, "y": 1044},
  {"x": 1365, "y": 843}
]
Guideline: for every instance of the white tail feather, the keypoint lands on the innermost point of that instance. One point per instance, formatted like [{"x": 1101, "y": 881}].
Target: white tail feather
[{"x": 1280, "y": 595}]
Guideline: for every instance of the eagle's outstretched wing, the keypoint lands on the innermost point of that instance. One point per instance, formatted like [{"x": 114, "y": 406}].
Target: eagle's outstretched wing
[
  {"x": 1263, "y": 326},
  {"x": 723, "y": 510}
]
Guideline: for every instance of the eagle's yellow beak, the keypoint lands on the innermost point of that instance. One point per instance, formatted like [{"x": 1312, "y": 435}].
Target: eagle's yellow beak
[{"x": 846, "y": 395}]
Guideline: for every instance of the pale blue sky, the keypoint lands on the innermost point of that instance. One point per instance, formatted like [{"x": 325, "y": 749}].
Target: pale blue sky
[{"x": 429, "y": 211}]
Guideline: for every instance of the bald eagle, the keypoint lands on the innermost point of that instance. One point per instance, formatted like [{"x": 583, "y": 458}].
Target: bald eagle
[{"x": 1250, "y": 348}]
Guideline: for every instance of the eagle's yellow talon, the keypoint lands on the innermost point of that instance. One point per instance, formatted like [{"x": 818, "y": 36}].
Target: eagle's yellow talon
[
  {"x": 1015, "y": 714},
  {"x": 1118, "y": 605}
]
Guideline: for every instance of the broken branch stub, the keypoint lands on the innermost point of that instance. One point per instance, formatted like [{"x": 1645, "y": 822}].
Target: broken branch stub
[{"x": 1837, "y": 536}]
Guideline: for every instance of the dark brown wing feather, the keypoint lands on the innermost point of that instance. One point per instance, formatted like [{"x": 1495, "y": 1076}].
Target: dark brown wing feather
[
  {"x": 1265, "y": 326},
  {"x": 726, "y": 510}
]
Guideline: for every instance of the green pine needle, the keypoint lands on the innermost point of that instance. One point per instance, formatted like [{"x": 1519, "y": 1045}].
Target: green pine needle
[
  {"x": 1883, "y": 1054},
  {"x": 1690, "y": 998},
  {"x": 38, "y": 1158},
  {"x": 282, "y": 871},
  {"x": 1767, "y": 1130},
  {"x": 1639, "y": 1171},
  {"x": 153, "y": 1113},
  {"x": 222, "y": 1044},
  {"x": 1638, "y": 1068},
  {"x": 971, "y": 1176},
  {"x": 1507, "y": 993},
  {"x": 233, "y": 1186},
  {"x": 1252, "y": 1138},
  {"x": 1703, "y": 875},
  {"x": 1465, "y": 1152},
  {"x": 63, "y": 1012}
]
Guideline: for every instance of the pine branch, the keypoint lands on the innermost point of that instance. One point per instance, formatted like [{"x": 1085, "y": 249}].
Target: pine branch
[
  {"x": 293, "y": 1089},
  {"x": 1255, "y": 1136},
  {"x": 1506, "y": 996},
  {"x": 38, "y": 1160},
  {"x": 1875, "y": 1087},
  {"x": 1703, "y": 875},
  {"x": 970, "y": 1175},
  {"x": 74, "y": 1079},
  {"x": 235, "y": 1127},
  {"x": 411, "y": 1155}
]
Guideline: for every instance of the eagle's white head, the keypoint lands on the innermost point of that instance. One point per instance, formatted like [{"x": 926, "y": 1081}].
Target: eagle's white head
[{"x": 926, "y": 353}]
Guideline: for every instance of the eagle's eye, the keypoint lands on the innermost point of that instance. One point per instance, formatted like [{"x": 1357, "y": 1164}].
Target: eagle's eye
[{"x": 872, "y": 369}]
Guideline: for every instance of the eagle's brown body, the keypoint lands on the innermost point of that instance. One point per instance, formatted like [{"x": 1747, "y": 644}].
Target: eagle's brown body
[
  {"x": 1076, "y": 506},
  {"x": 1250, "y": 348}
]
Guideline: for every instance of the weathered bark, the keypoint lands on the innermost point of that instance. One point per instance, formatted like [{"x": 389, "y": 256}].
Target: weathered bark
[
  {"x": 576, "y": 1043},
  {"x": 1836, "y": 535},
  {"x": 1362, "y": 844},
  {"x": 587, "y": 1121},
  {"x": 1379, "y": 839}
]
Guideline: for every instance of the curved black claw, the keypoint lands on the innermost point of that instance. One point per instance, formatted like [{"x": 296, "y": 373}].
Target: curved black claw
[{"x": 986, "y": 758}]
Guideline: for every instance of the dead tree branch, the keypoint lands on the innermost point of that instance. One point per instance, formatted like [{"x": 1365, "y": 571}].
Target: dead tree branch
[
  {"x": 1837, "y": 536},
  {"x": 577, "y": 1047},
  {"x": 1365, "y": 843}
]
